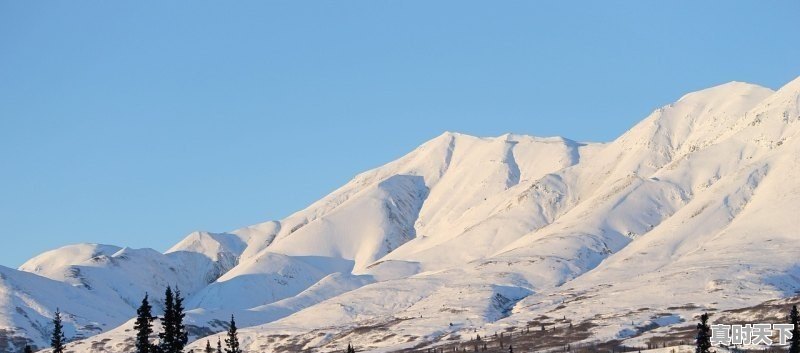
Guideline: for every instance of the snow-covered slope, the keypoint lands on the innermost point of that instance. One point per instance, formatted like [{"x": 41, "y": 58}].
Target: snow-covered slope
[
  {"x": 98, "y": 287},
  {"x": 689, "y": 210},
  {"x": 27, "y": 302}
]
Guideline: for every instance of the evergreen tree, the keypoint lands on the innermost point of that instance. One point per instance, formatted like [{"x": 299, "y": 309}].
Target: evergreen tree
[
  {"x": 350, "y": 349},
  {"x": 510, "y": 349},
  {"x": 208, "y": 347},
  {"x": 174, "y": 336},
  {"x": 703, "y": 339},
  {"x": 28, "y": 349},
  {"x": 167, "y": 335},
  {"x": 181, "y": 335},
  {"x": 144, "y": 327},
  {"x": 794, "y": 342},
  {"x": 219, "y": 345},
  {"x": 232, "y": 342},
  {"x": 57, "y": 341}
]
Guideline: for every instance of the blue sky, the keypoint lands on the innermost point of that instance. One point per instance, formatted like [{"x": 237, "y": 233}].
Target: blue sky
[{"x": 133, "y": 123}]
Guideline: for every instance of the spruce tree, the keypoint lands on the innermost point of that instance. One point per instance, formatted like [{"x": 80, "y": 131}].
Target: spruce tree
[
  {"x": 219, "y": 345},
  {"x": 181, "y": 336},
  {"x": 232, "y": 342},
  {"x": 28, "y": 349},
  {"x": 174, "y": 336},
  {"x": 58, "y": 339},
  {"x": 794, "y": 319},
  {"x": 144, "y": 327},
  {"x": 703, "y": 339},
  {"x": 167, "y": 334},
  {"x": 208, "y": 347}
]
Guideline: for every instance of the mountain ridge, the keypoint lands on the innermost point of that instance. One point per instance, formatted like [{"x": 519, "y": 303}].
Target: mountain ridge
[{"x": 490, "y": 233}]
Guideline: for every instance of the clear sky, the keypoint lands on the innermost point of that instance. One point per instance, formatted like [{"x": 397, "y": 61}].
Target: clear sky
[{"x": 133, "y": 123}]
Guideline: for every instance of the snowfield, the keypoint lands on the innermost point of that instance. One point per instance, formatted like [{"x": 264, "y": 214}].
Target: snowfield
[{"x": 691, "y": 210}]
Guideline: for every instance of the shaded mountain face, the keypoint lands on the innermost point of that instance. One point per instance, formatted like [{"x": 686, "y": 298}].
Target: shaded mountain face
[{"x": 692, "y": 209}]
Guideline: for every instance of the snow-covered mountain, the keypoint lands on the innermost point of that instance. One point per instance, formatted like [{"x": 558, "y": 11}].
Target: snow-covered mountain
[{"x": 692, "y": 209}]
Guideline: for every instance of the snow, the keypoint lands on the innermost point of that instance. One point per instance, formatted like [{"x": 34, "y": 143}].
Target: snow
[{"x": 692, "y": 209}]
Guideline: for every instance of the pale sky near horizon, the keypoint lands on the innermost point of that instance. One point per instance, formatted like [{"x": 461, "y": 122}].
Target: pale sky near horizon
[{"x": 135, "y": 122}]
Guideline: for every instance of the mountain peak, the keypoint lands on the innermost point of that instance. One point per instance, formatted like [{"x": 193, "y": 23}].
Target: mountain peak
[
  {"x": 697, "y": 118},
  {"x": 720, "y": 94},
  {"x": 513, "y": 226}
]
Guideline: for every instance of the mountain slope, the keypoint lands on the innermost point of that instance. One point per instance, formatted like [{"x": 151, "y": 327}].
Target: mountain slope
[{"x": 689, "y": 210}]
